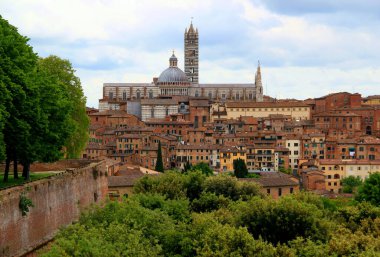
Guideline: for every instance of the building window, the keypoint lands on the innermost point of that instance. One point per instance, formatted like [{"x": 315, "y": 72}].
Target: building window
[
  {"x": 210, "y": 94},
  {"x": 151, "y": 93},
  {"x": 291, "y": 190},
  {"x": 268, "y": 191},
  {"x": 138, "y": 94},
  {"x": 124, "y": 95},
  {"x": 110, "y": 95},
  {"x": 279, "y": 191},
  {"x": 152, "y": 112}
]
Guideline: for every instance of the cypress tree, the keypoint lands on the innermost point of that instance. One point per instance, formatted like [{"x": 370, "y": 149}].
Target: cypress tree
[{"x": 159, "y": 163}]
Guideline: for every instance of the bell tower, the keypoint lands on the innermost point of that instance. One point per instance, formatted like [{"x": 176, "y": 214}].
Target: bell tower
[{"x": 191, "y": 54}]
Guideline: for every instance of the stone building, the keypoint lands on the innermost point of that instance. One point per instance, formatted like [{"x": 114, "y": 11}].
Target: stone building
[{"x": 174, "y": 82}]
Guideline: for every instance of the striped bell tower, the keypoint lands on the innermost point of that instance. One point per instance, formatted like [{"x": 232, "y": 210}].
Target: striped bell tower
[{"x": 191, "y": 54}]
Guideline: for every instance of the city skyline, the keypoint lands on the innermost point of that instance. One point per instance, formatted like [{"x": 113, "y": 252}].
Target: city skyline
[{"x": 321, "y": 47}]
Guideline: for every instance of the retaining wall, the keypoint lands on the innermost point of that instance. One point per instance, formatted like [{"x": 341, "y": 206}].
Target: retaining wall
[{"x": 57, "y": 202}]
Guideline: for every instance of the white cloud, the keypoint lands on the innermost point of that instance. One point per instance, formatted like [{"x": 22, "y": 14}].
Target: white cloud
[{"x": 131, "y": 41}]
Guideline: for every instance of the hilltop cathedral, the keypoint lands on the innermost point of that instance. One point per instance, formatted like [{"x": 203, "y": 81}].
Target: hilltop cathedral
[{"x": 171, "y": 91}]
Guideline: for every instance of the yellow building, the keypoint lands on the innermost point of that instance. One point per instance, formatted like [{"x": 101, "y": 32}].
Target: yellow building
[
  {"x": 336, "y": 169},
  {"x": 298, "y": 110},
  {"x": 227, "y": 157},
  {"x": 371, "y": 100}
]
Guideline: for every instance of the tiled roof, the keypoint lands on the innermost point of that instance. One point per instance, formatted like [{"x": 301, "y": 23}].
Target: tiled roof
[
  {"x": 265, "y": 104},
  {"x": 272, "y": 179}
]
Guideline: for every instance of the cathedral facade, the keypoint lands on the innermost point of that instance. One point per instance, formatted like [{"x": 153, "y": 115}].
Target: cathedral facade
[{"x": 173, "y": 83}]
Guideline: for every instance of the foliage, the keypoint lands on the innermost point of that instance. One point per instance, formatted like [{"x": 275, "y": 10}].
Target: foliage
[
  {"x": 240, "y": 168},
  {"x": 159, "y": 164},
  {"x": 370, "y": 190},
  {"x": 64, "y": 74},
  {"x": 286, "y": 171},
  {"x": 231, "y": 188},
  {"x": 46, "y": 104},
  {"x": 25, "y": 203},
  {"x": 187, "y": 166},
  {"x": 203, "y": 167},
  {"x": 209, "y": 202},
  {"x": 190, "y": 214},
  {"x": 281, "y": 221},
  {"x": 350, "y": 184},
  {"x": 13, "y": 182}
]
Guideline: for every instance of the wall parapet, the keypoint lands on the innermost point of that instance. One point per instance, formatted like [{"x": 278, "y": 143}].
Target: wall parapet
[{"x": 57, "y": 200}]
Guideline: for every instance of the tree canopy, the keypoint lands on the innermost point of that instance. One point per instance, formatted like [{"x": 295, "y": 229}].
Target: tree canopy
[
  {"x": 42, "y": 106},
  {"x": 370, "y": 190},
  {"x": 191, "y": 214}
]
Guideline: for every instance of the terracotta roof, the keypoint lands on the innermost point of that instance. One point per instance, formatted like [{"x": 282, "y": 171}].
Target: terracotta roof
[
  {"x": 155, "y": 121},
  {"x": 265, "y": 104},
  {"x": 277, "y": 179}
]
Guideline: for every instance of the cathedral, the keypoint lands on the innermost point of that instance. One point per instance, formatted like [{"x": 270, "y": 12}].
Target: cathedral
[{"x": 169, "y": 93}]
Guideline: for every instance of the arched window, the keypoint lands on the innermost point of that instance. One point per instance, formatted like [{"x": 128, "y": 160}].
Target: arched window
[
  {"x": 152, "y": 112},
  {"x": 336, "y": 176},
  {"x": 237, "y": 96},
  {"x": 138, "y": 94},
  {"x": 209, "y": 94}
]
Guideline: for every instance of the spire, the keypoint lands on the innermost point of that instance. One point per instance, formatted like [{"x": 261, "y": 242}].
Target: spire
[
  {"x": 173, "y": 60},
  {"x": 191, "y": 28},
  {"x": 258, "y": 84}
]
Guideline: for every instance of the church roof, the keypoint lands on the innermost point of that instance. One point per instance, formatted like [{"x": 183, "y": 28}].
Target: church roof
[{"x": 173, "y": 74}]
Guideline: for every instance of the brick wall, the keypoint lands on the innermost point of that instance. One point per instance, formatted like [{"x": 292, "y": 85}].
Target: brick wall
[{"x": 57, "y": 201}]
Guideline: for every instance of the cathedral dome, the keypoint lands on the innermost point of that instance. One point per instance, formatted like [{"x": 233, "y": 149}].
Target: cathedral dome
[{"x": 173, "y": 74}]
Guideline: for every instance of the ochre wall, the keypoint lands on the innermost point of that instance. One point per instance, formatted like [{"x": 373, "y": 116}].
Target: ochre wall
[{"x": 57, "y": 201}]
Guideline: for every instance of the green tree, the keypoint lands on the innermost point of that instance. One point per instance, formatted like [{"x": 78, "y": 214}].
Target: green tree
[
  {"x": 279, "y": 221},
  {"x": 64, "y": 75},
  {"x": 159, "y": 164},
  {"x": 187, "y": 166},
  {"x": 17, "y": 62},
  {"x": 370, "y": 190},
  {"x": 350, "y": 184},
  {"x": 240, "y": 169},
  {"x": 203, "y": 167}
]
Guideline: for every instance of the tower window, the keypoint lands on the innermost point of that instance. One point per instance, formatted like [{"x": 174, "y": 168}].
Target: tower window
[{"x": 138, "y": 94}]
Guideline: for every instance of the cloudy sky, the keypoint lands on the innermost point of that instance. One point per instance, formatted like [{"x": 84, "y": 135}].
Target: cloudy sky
[{"x": 306, "y": 48}]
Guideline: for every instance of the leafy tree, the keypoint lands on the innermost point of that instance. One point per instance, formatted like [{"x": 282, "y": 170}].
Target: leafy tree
[
  {"x": 64, "y": 75},
  {"x": 286, "y": 171},
  {"x": 203, "y": 167},
  {"x": 187, "y": 166},
  {"x": 17, "y": 62},
  {"x": 370, "y": 190},
  {"x": 209, "y": 202},
  {"x": 159, "y": 164},
  {"x": 282, "y": 220},
  {"x": 240, "y": 169},
  {"x": 350, "y": 184}
]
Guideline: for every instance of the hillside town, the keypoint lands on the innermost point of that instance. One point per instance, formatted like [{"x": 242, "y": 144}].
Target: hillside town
[{"x": 319, "y": 140}]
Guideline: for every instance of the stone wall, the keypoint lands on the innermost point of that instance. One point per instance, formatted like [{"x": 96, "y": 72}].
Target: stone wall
[{"x": 57, "y": 202}]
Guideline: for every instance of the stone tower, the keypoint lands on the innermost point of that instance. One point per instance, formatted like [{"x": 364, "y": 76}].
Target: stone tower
[
  {"x": 259, "y": 85},
  {"x": 192, "y": 54}
]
